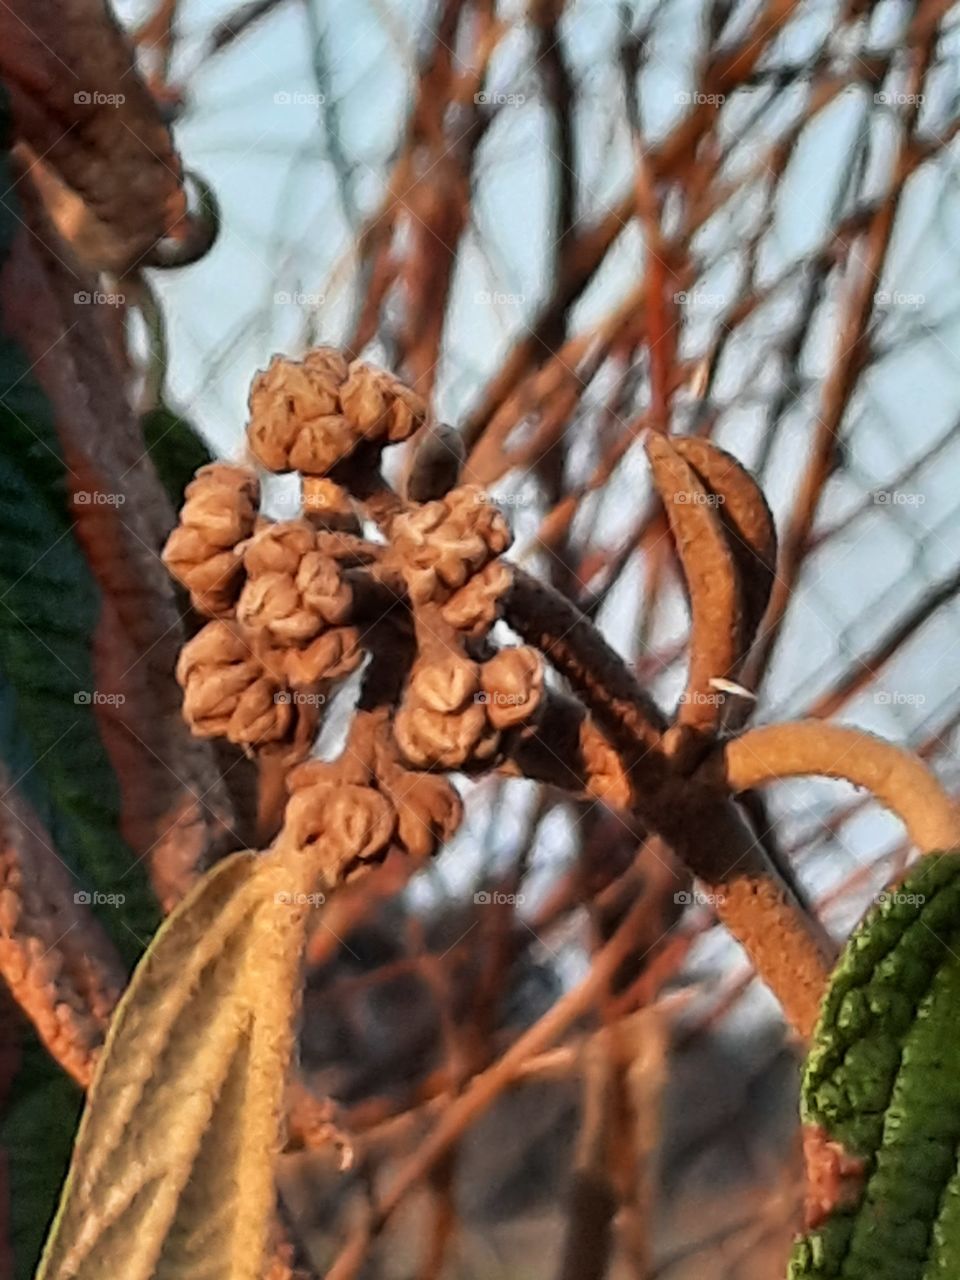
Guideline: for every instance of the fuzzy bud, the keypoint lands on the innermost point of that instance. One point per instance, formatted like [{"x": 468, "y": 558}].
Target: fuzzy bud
[
  {"x": 513, "y": 684},
  {"x": 476, "y": 606},
  {"x": 379, "y": 406},
  {"x": 328, "y": 506},
  {"x": 444, "y": 543},
  {"x": 295, "y": 418},
  {"x": 219, "y": 512},
  {"x": 435, "y": 467},
  {"x": 346, "y": 825},
  {"x": 448, "y": 740},
  {"x": 227, "y": 692}
]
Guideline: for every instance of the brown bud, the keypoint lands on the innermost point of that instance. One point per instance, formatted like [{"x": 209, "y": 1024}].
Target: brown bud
[
  {"x": 333, "y": 654},
  {"x": 278, "y": 547},
  {"x": 445, "y": 684},
  {"x": 454, "y": 740},
  {"x": 346, "y": 825},
  {"x": 227, "y": 692},
  {"x": 323, "y": 588},
  {"x": 328, "y": 367},
  {"x": 429, "y": 810},
  {"x": 218, "y": 513},
  {"x": 293, "y": 591},
  {"x": 476, "y": 606},
  {"x": 295, "y": 420},
  {"x": 436, "y": 463},
  {"x": 328, "y": 506},
  {"x": 470, "y": 508},
  {"x": 270, "y": 602},
  {"x": 347, "y": 768},
  {"x": 379, "y": 406},
  {"x": 443, "y": 544},
  {"x": 513, "y": 683}
]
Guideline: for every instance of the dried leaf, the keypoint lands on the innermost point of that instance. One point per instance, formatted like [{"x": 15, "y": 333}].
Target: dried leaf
[{"x": 172, "y": 1174}]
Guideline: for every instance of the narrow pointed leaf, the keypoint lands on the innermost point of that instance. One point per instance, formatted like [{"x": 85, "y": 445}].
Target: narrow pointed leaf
[{"x": 172, "y": 1174}]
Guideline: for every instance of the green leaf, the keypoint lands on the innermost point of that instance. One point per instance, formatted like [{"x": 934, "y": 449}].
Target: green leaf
[
  {"x": 172, "y": 1174},
  {"x": 49, "y": 609},
  {"x": 881, "y": 1091}
]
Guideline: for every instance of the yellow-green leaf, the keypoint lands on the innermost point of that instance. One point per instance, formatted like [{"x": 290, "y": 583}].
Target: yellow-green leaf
[{"x": 172, "y": 1172}]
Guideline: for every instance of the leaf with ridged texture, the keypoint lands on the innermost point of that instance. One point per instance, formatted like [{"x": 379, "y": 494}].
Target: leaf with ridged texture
[
  {"x": 49, "y": 608},
  {"x": 47, "y": 615},
  {"x": 880, "y": 1098},
  {"x": 83, "y": 599},
  {"x": 173, "y": 1166},
  {"x": 55, "y": 958}
]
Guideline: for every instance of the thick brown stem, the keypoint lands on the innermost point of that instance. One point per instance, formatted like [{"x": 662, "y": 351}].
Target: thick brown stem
[
  {"x": 576, "y": 648},
  {"x": 788, "y": 947}
]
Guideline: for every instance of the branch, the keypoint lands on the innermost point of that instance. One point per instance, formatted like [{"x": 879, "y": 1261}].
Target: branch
[
  {"x": 548, "y": 620},
  {"x": 97, "y": 128},
  {"x": 592, "y": 1202},
  {"x": 790, "y": 949},
  {"x": 896, "y": 778}
]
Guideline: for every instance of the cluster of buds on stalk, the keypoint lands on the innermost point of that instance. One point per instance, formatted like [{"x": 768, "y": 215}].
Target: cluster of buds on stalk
[
  {"x": 405, "y": 591},
  {"x": 295, "y": 606}
]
